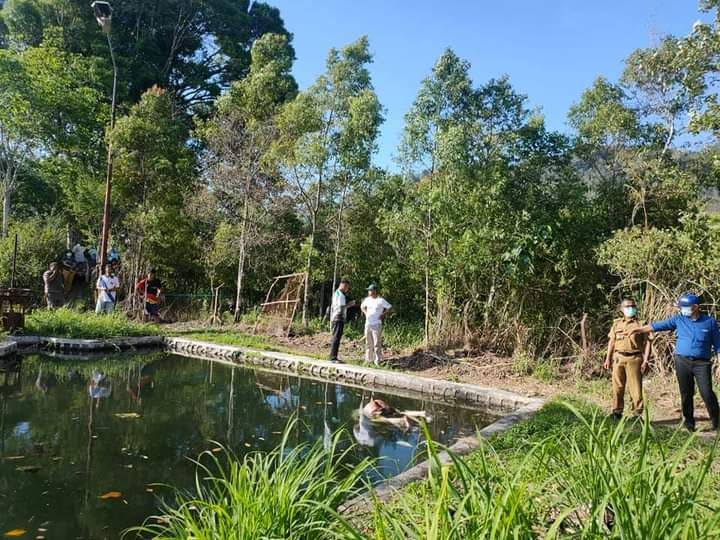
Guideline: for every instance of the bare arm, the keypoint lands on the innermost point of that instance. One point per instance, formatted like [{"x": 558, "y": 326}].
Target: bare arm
[{"x": 646, "y": 354}]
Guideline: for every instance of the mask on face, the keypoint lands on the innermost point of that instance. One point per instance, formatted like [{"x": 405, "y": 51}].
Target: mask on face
[
  {"x": 686, "y": 311},
  {"x": 630, "y": 311}
]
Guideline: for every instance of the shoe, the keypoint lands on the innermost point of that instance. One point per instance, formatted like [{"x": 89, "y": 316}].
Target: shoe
[
  {"x": 336, "y": 361},
  {"x": 616, "y": 415},
  {"x": 689, "y": 427}
]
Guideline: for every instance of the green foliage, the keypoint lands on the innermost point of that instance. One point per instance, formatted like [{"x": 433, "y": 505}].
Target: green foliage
[
  {"x": 564, "y": 473},
  {"x": 290, "y": 492},
  {"x": 40, "y": 241},
  {"x": 171, "y": 44},
  {"x": 70, "y": 323}
]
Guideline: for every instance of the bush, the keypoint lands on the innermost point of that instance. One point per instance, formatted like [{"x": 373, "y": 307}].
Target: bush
[{"x": 69, "y": 323}]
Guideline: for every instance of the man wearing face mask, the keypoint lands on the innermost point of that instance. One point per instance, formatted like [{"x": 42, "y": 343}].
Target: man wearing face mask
[
  {"x": 628, "y": 355},
  {"x": 697, "y": 336}
]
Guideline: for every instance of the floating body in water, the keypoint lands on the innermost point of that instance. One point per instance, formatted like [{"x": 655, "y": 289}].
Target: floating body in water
[{"x": 379, "y": 411}]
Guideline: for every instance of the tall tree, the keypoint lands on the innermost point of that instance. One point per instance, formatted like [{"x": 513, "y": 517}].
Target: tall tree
[
  {"x": 51, "y": 107},
  {"x": 155, "y": 172},
  {"x": 194, "y": 48},
  {"x": 240, "y": 135},
  {"x": 443, "y": 101},
  {"x": 328, "y": 132}
]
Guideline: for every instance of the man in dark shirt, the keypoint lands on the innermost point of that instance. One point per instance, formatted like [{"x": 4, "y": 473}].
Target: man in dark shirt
[
  {"x": 697, "y": 337},
  {"x": 150, "y": 289},
  {"x": 54, "y": 286}
]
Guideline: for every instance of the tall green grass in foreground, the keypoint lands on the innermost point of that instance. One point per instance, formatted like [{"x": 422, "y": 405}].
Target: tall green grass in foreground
[
  {"x": 286, "y": 493},
  {"x": 70, "y": 323},
  {"x": 562, "y": 474}
]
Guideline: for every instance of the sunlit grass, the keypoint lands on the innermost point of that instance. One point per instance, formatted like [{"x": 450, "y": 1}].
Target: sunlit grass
[
  {"x": 289, "y": 492},
  {"x": 70, "y": 323},
  {"x": 569, "y": 472}
]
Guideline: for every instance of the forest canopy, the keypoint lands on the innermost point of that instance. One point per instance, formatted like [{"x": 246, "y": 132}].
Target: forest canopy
[{"x": 496, "y": 232}]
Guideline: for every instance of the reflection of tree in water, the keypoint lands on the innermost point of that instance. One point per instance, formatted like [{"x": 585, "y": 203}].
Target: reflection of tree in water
[{"x": 11, "y": 384}]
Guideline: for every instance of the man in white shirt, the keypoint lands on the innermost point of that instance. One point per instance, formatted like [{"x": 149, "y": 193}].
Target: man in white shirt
[
  {"x": 375, "y": 308},
  {"x": 338, "y": 316},
  {"x": 107, "y": 286}
]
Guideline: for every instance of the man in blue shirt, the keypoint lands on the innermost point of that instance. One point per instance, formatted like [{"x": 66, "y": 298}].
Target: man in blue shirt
[{"x": 697, "y": 337}]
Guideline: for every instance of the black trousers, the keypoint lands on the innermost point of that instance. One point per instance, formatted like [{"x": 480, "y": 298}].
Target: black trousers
[
  {"x": 337, "y": 332},
  {"x": 689, "y": 371}
]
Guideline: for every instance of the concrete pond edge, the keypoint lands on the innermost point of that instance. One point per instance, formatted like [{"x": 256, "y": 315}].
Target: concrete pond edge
[{"x": 513, "y": 407}]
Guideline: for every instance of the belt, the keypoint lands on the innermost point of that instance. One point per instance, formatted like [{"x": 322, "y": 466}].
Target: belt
[{"x": 638, "y": 353}]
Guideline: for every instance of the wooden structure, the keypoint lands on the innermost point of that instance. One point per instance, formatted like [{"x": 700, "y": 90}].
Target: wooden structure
[
  {"x": 277, "y": 312},
  {"x": 13, "y": 305}
]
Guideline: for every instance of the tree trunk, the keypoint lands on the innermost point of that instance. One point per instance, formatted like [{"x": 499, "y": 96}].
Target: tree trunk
[
  {"x": 308, "y": 269},
  {"x": 6, "y": 212},
  {"x": 338, "y": 236},
  {"x": 241, "y": 259},
  {"x": 308, "y": 265}
]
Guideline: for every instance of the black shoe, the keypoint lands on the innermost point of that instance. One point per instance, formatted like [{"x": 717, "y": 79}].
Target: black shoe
[
  {"x": 336, "y": 361},
  {"x": 689, "y": 427},
  {"x": 616, "y": 415}
]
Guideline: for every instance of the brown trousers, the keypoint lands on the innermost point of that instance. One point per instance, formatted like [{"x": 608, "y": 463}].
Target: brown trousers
[{"x": 626, "y": 372}]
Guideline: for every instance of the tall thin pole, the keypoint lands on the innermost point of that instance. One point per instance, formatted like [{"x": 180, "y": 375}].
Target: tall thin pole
[{"x": 108, "y": 177}]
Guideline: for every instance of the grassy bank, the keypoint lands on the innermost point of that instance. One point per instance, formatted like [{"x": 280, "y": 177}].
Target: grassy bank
[
  {"x": 566, "y": 473},
  {"x": 69, "y": 323}
]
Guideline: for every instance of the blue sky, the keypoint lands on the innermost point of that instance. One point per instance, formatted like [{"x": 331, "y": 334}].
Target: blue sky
[{"x": 551, "y": 50}]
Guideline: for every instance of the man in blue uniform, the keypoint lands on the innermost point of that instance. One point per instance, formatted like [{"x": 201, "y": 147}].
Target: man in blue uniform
[{"x": 697, "y": 336}]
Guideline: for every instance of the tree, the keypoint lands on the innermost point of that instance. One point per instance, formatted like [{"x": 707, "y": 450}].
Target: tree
[
  {"x": 51, "y": 106},
  {"x": 239, "y": 137},
  {"x": 444, "y": 100},
  {"x": 193, "y": 48},
  {"x": 155, "y": 170},
  {"x": 17, "y": 130},
  {"x": 326, "y": 132}
]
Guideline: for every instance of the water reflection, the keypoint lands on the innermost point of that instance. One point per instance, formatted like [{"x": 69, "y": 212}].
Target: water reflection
[{"x": 79, "y": 437}]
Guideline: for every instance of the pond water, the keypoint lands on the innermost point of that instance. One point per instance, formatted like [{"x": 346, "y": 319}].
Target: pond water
[{"x": 72, "y": 431}]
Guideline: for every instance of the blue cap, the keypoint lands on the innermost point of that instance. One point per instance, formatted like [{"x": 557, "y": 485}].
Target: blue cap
[{"x": 688, "y": 299}]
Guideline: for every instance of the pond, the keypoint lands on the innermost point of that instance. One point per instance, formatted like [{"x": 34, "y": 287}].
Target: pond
[{"x": 72, "y": 432}]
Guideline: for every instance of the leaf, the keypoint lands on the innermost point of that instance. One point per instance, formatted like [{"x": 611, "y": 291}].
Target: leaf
[
  {"x": 13, "y": 458},
  {"x": 127, "y": 415},
  {"x": 14, "y": 533},
  {"x": 111, "y": 495}
]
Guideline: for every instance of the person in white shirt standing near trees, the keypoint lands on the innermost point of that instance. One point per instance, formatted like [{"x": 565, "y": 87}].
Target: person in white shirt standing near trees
[
  {"x": 375, "y": 308},
  {"x": 107, "y": 286}
]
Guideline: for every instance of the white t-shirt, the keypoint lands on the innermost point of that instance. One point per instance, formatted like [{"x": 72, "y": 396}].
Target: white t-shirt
[
  {"x": 108, "y": 282},
  {"x": 373, "y": 308},
  {"x": 338, "y": 309}
]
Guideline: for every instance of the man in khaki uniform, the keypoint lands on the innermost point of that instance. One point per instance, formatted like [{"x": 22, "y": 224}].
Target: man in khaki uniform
[{"x": 628, "y": 355}]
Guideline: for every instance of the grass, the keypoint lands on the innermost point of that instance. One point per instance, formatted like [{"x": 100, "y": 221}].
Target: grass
[
  {"x": 69, "y": 323},
  {"x": 397, "y": 334},
  {"x": 290, "y": 492},
  {"x": 569, "y": 472},
  {"x": 238, "y": 339}
]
